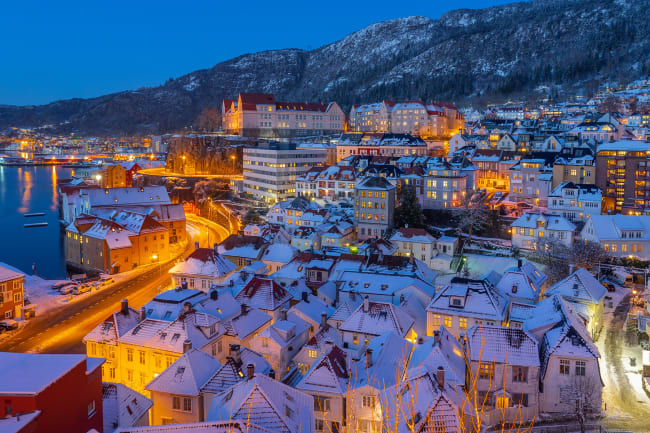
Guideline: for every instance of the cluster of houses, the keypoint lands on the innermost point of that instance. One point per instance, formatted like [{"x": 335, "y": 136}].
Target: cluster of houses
[
  {"x": 114, "y": 230},
  {"x": 266, "y": 333}
]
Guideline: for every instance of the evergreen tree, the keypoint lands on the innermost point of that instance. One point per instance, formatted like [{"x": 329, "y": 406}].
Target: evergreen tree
[{"x": 409, "y": 210}]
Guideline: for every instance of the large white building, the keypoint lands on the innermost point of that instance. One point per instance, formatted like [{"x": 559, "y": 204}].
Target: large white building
[
  {"x": 575, "y": 201},
  {"x": 271, "y": 169},
  {"x": 620, "y": 235}
]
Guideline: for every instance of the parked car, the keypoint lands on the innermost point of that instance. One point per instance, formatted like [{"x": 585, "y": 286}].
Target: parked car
[
  {"x": 84, "y": 288},
  {"x": 105, "y": 281},
  {"x": 609, "y": 286},
  {"x": 8, "y": 324}
]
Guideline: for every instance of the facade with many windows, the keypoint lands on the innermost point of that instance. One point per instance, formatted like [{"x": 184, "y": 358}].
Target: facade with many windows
[
  {"x": 374, "y": 206},
  {"x": 271, "y": 169},
  {"x": 11, "y": 293}
]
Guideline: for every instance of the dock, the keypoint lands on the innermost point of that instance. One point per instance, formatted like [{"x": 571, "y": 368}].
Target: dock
[
  {"x": 34, "y": 214},
  {"x": 34, "y": 225}
]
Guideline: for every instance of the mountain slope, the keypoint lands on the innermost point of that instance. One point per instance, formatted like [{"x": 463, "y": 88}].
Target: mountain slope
[{"x": 497, "y": 51}]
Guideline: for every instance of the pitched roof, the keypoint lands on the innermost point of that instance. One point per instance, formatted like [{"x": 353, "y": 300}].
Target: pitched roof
[
  {"x": 116, "y": 325},
  {"x": 380, "y": 317},
  {"x": 263, "y": 293},
  {"x": 234, "y": 370},
  {"x": 122, "y": 406},
  {"x": 186, "y": 375},
  {"x": 329, "y": 374},
  {"x": 500, "y": 344},
  {"x": 581, "y": 285},
  {"x": 206, "y": 262},
  {"x": 482, "y": 300}
]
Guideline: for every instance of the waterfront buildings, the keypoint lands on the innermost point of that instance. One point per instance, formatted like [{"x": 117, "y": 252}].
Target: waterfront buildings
[{"x": 12, "y": 298}]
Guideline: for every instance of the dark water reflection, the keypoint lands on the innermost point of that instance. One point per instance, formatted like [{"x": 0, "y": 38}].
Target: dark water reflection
[{"x": 25, "y": 190}]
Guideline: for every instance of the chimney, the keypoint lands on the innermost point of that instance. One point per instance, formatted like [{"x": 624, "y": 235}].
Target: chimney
[
  {"x": 216, "y": 248},
  {"x": 214, "y": 294},
  {"x": 187, "y": 345},
  {"x": 323, "y": 319},
  {"x": 143, "y": 314},
  {"x": 234, "y": 353},
  {"x": 366, "y": 304},
  {"x": 283, "y": 314},
  {"x": 351, "y": 295},
  {"x": 305, "y": 297},
  {"x": 184, "y": 285},
  {"x": 272, "y": 374},
  {"x": 571, "y": 268},
  {"x": 368, "y": 358},
  {"x": 436, "y": 337},
  {"x": 519, "y": 263},
  {"x": 420, "y": 340},
  {"x": 440, "y": 375},
  {"x": 125, "y": 307},
  {"x": 187, "y": 307},
  {"x": 401, "y": 299},
  {"x": 196, "y": 245},
  {"x": 250, "y": 370},
  {"x": 244, "y": 309}
]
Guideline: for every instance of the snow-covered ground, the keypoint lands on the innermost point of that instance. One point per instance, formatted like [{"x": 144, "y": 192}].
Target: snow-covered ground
[{"x": 479, "y": 266}]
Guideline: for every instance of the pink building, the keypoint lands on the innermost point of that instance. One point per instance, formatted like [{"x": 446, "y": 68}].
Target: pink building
[{"x": 260, "y": 115}]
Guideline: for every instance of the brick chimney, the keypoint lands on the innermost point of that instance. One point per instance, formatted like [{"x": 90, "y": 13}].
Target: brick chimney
[
  {"x": 323, "y": 319},
  {"x": 440, "y": 376},
  {"x": 272, "y": 374},
  {"x": 187, "y": 345},
  {"x": 366, "y": 304},
  {"x": 283, "y": 314},
  {"x": 368, "y": 358},
  {"x": 235, "y": 353},
  {"x": 187, "y": 307},
  {"x": 436, "y": 337},
  {"x": 196, "y": 245},
  {"x": 143, "y": 314},
  {"x": 125, "y": 307},
  {"x": 250, "y": 371}
]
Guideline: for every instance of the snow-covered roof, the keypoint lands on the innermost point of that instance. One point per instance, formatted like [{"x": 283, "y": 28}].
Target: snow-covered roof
[
  {"x": 312, "y": 308},
  {"x": 447, "y": 353},
  {"x": 169, "y": 304},
  {"x": 610, "y": 227},
  {"x": 381, "y": 283},
  {"x": 234, "y": 370},
  {"x": 551, "y": 221},
  {"x": 30, "y": 373},
  {"x": 127, "y": 196},
  {"x": 481, "y": 300},
  {"x": 186, "y": 375},
  {"x": 263, "y": 293},
  {"x": 235, "y": 426},
  {"x": 328, "y": 374},
  {"x": 517, "y": 285},
  {"x": 204, "y": 262},
  {"x": 243, "y": 325},
  {"x": 520, "y": 312},
  {"x": 412, "y": 235},
  {"x": 580, "y": 286},
  {"x": 266, "y": 402},
  {"x": 624, "y": 145},
  {"x": 277, "y": 252},
  {"x": 390, "y": 355},
  {"x": 121, "y": 406},
  {"x": 7, "y": 274},
  {"x": 503, "y": 345},
  {"x": 378, "y": 318},
  {"x": 116, "y": 325}
]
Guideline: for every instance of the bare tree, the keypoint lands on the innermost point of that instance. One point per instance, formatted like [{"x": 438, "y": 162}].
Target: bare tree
[
  {"x": 472, "y": 214},
  {"x": 205, "y": 189},
  {"x": 209, "y": 119},
  {"x": 583, "y": 392}
]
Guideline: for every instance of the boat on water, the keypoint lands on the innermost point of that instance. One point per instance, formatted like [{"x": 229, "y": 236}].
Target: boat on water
[{"x": 35, "y": 225}]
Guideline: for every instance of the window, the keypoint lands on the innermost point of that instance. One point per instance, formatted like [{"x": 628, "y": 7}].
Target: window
[
  {"x": 313, "y": 353},
  {"x": 486, "y": 371},
  {"x": 176, "y": 403},
  {"x": 436, "y": 321},
  {"x": 143, "y": 357},
  {"x": 519, "y": 374},
  {"x": 462, "y": 323},
  {"x": 565, "y": 366},
  {"x": 368, "y": 401},
  {"x": 129, "y": 355},
  {"x": 448, "y": 321},
  {"x": 129, "y": 375},
  {"x": 355, "y": 339},
  {"x": 91, "y": 409},
  {"x": 520, "y": 400},
  {"x": 321, "y": 404},
  {"x": 580, "y": 368},
  {"x": 187, "y": 404}
]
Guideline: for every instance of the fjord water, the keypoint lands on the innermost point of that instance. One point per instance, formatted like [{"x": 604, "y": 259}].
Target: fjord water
[{"x": 27, "y": 190}]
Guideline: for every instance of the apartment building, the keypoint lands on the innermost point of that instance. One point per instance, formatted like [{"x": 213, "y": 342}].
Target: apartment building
[
  {"x": 575, "y": 201},
  {"x": 444, "y": 186},
  {"x": 622, "y": 173},
  {"x": 579, "y": 170},
  {"x": 374, "y": 206},
  {"x": 332, "y": 183},
  {"x": 260, "y": 115},
  {"x": 380, "y": 144},
  {"x": 373, "y": 117},
  {"x": 271, "y": 169},
  {"x": 530, "y": 181}
]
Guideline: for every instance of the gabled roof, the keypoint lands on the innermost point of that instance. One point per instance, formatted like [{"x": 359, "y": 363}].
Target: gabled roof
[
  {"x": 243, "y": 325},
  {"x": 199, "y": 427},
  {"x": 234, "y": 370},
  {"x": 429, "y": 355},
  {"x": 390, "y": 357},
  {"x": 330, "y": 373},
  {"x": 204, "y": 262},
  {"x": 482, "y": 300},
  {"x": 580, "y": 286},
  {"x": 380, "y": 317},
  {"x": 501, "y": 344},
  {"x": 517, "y": 285},
  {"x": 186, "y": 375},
  {"x": 122, "y": 406},
  {"x": 263, "y": 293},
  {"x": 265, "y": 402},
  {"x": 116, "y": 325}
]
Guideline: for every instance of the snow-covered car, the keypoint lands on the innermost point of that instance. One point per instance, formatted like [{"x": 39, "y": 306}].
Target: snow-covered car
[{"x": 8, "y": 325}]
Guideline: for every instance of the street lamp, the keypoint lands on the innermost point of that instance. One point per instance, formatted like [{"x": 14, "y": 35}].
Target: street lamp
[
  {"x": 98, "y": 178},
  {"x": 233, "y": 157}
]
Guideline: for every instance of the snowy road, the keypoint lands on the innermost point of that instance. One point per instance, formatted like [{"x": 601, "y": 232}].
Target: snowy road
[{"x": 627, "y": 405}]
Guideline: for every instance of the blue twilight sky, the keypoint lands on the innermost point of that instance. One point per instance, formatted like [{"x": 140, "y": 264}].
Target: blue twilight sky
[{"x": 68, "y": 48}]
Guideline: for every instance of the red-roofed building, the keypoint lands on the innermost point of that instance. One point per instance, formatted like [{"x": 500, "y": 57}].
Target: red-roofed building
[
  {"x": 266, "y": 295},
  {"x": 260, "y": 115}
]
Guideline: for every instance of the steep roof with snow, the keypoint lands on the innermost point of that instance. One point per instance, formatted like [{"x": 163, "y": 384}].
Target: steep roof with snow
[
  {"x": 127, "y": 196},
  {"x": 186, "y": 375},
  {"x": 328, "y": 374},
  {"x": 265, "y": 402},
  {"x": 517, "y": 285},
  {"x": 234, "y": 370},
  {"x": 390, "y": 357},
  {"x": 446, "y": 353},
  {"x": 29, "y": 373},
  {"x": 481, "y": 300},
  {"x": 122, "y": 406},
  {"x": 263, "y": 293},
  {"x": 504, "y": 345},
  {"x": 204, "y": 262},
  {"x": 116, "y": 325},
  {"x": 580, "y": 286},
  {"x": 380, "y": 317}
]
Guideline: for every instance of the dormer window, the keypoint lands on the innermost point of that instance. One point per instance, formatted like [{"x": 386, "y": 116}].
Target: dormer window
[
  {"x": 514, "y": 288},
  {"x": 456, "y": 301}
]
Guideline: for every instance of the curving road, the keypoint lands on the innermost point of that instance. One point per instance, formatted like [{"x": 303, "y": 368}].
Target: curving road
[
  {"x": 61, "y": 330},
  {"x": 626, "y": 410}
]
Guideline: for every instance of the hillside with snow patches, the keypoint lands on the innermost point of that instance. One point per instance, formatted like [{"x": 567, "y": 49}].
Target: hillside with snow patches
[{"x": 494, "y": 52}]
